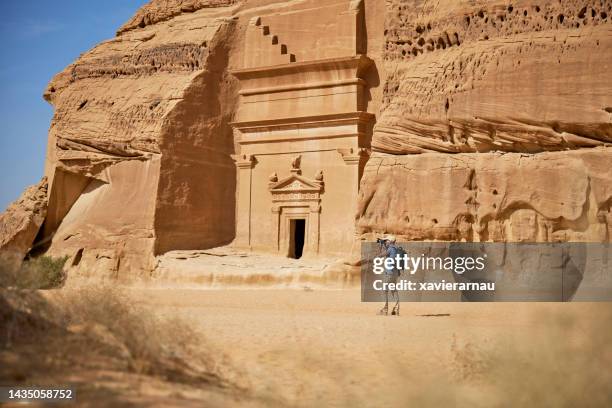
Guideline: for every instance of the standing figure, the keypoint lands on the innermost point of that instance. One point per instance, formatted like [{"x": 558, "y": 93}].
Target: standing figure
[{"x": 390, "y": 250}]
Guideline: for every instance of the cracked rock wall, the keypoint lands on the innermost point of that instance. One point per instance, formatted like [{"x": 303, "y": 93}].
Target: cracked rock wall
[{"x": 470, "y": 80}]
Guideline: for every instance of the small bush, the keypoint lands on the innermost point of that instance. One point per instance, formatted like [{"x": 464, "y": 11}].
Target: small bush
[{"x": 43, "y": 272}]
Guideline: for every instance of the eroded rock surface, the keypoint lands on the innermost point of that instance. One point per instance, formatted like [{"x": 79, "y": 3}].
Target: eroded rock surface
[
  {"x": 467, "y": 76},
  {"x": 468, "y": 80},
  {"x": 513, "y": 197},
  {"x": 162, "y": 10},
  {"x": 20, "y": 224},
  {"x": 139, "y": 146}
]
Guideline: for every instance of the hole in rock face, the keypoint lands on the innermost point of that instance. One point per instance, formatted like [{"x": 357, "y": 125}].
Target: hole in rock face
[
  {"x": 82, "y": 104},
  {"x": 560, "y": 18},
  {"x": 494, "y": 192},
  {"x": 435, "y": 221},
  {"x": 77, "y": 257}
]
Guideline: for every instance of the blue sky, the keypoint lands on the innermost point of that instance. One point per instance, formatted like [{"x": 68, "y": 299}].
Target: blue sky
[{"x": 38, "y": 39}]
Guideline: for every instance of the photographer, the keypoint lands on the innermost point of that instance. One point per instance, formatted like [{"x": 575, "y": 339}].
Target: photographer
[{"x": 389, "y": 250}]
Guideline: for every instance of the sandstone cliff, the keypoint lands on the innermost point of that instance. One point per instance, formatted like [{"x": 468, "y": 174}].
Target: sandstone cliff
[
  {"x": 139, "y": 149},
  {"x": 493, "y": 123},
  {"x": 526, "y": 76},
  {"x": 469, "y": 80},
  {"x": 138, "y": 155}
]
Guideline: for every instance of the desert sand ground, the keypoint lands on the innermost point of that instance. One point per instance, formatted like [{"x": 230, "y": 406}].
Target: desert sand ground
[
  {"x": 277, "y": 335},
  {"x": 291, "y": 347},
  {"x": 294, "y": 347}
]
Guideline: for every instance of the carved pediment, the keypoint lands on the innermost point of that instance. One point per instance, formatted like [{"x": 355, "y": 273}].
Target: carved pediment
[
  {"x": 296, "y": 188},
  {"x": 296, "y": 183}
]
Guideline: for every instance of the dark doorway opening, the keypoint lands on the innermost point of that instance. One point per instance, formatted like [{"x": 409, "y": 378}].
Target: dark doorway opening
[{"x": 298, "y": 233}]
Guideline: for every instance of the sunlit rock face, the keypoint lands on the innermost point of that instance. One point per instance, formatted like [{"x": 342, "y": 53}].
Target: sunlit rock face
[
  {"x": 500, "y": 197},
  {"x": 20, "y": 224},
  {"x": 525, "y": 76},
  {"x": 139, "y": 146},
  {"x": 495, "y": 121},
  {"x": 474, "y": 120},
  {"x": 141, "y": 152}
]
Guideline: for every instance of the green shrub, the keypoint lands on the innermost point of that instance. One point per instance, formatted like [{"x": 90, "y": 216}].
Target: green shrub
[{"x": 43, "y": 272}]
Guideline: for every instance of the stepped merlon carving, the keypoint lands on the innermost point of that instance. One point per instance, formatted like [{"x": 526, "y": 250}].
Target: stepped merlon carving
[{"x": 264, "y": 47}]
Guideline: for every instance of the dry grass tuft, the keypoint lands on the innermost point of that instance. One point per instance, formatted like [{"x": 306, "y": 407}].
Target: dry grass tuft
[
  {"x": 565, "y": 364},
  {"x": 99, "y": 329}
]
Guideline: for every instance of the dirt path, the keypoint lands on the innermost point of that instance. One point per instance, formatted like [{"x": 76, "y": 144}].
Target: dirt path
[{"x": 304, "y": 348}]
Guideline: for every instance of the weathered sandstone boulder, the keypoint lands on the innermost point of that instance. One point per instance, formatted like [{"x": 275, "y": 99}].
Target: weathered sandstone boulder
[{"x": 20, "y": 224}]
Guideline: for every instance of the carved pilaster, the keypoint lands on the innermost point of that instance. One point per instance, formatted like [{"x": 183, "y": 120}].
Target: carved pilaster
[
  {"x": 315, "y": 227},
  {"x": 276, "y": 215},
  {"x": 244, "y": 164}
]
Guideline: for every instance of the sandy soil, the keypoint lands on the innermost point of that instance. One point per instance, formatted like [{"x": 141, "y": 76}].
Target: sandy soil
[{"x": 312, "y": 347}]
